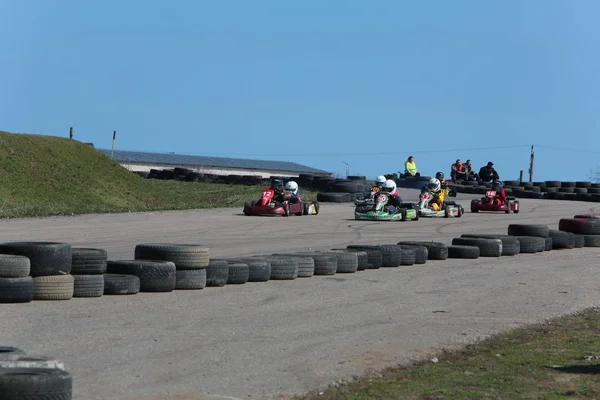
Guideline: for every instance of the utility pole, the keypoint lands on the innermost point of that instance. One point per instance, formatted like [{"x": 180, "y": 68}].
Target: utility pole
[
  {"x": 531, "y": 165},
  {"x": 112, "y": 152},
  {"x": 347, "y": 168},
  {"x": 71, "y": 133}
]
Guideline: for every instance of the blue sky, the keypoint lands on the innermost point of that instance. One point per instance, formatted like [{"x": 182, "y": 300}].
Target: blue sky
[{"x": 313, "y": 82}]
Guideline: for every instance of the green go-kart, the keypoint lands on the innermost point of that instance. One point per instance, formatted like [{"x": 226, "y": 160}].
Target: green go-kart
[{"x": 374, "y": 209}]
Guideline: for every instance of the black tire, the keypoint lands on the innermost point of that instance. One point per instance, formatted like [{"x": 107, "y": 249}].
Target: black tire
[
  {"x": 155, "y": 276},
  {"x": 554, "y": 184},
  {"x": 409, "y": 256},
  {"x": 560, "y": 239},
  {"x": 435, "y": 250},
  {"x": 547, "y": 244},
  {"x": 333, "y": 197},
  {"x": 16, "y": 290},
  {"x": 286, "y": 209},
  {"x": 347, "y": 263},
  {"x": 391, "y": 255},
  {"x": 487, "y": 247},
  {"x": 217, "y": 273},
  {"x": 12, "y": 266},
  {"x": 463, "y": 251},
  {"x": 35, "y": 384},
  {"x": 374, "y": 256},
  {"x": 528, "y": 230},
  {"x": 8, "y": 353},
  {"x": 238, "y": 273},
  {"x": 53, "y": 287},
  {"x": 531, "y": 244},
  {"x": 86, "y": 261},
  {"x": 283, "y": 268},
  {"x": 184, "y": 256},
  {"x": 45, "y": 258},
  {"x": 361, "y": 256},
  {"x": 305, "y": 208},
  {"x": 590, "y": 240},
  {"x": 259, "y": 269},
  {"x": 88, "y": 285},
  {"x": 585, "y": 226},
  {"x": 578, "y": 240},
  {"x": 583, "y": 184},
  {"x": 325, "y": 264},
  {"x": 510, "y": 244},
  {"x": 421, "y": 253},
  {"x": 120, "y": 284},
  {"x": 190, "y": 279}
]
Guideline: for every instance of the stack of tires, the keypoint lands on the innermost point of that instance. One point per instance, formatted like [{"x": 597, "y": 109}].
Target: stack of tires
[
  {"x": 344, "y": 190},
  {"x": 584, "y": 227},
  {"x": 532, "y": 238},
  {"x": 16, "y": 286},
  {"x": 50, "y": 267},
  {"x": 88, "y": 267}
]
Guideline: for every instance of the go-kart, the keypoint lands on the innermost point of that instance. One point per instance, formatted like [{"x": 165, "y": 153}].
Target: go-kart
[
  {"x": 267, "y": 206},
  {"x": 488, "y": 203},
  {"x": 449, "y": 208},
  {"x": 376, "y": 209}
]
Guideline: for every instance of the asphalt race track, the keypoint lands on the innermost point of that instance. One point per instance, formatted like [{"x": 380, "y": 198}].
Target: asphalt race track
[{"x": 262, "y": 340}]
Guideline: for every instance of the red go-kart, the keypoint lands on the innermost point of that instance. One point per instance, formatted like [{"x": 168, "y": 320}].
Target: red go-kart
[
  {"x": 490, "y": 203},
  {"x": 267, "y": 206}
]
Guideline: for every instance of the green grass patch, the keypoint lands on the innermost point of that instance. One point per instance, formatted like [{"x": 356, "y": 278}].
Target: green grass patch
[
  {"x": 556, "y": 360},
  {"x": 47, "y": 175}
]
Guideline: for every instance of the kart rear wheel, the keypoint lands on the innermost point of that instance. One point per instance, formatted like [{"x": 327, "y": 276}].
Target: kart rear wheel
[
  {"x": 246, "y": 205},
  {"x": 286, "y": 209},
  {"x": 460, "y": 212},
  {"x": 305, "y": 208},
  {"x": 446, "y": 213},
  {"x": 403, "y": 213},
  {"x": 416, "y": 218},
  {"x": 474, "y": 208}
]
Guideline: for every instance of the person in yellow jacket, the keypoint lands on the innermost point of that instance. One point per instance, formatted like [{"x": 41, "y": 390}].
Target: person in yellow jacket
[
  {"x": 437, "y": 194},
  {"x": 410, "y": 168}
]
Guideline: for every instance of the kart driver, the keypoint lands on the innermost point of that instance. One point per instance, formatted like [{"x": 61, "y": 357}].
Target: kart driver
[
  {"x": 444, "y": 185},
  {"x": 378, "y": 184},
  {"x": 500, "y": 193},
  {"x": 277, "y": 186},
  {"x": 291, "y": 192},
  {"x": 394, "y": 200},
  {"x": 437, "y": 194}
]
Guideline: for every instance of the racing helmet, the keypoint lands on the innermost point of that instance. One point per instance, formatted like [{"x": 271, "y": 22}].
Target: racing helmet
[
  {"x": 389, "y": 186},
  {"x": 276, "y": 184},
  {"x": 380, "y": 181},
  {"x": 439, "y": 175},
  {"x": 496, "y": 185},
  {"x": 291, "y": 187},
  {"x": 434, "y": 185}
]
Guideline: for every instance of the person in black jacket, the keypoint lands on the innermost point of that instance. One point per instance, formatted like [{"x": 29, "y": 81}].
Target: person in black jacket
[{"x": 488, "y": 173}]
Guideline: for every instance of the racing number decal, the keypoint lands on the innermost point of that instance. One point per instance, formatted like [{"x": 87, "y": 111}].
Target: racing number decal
[{"x": 490, "y": 193}]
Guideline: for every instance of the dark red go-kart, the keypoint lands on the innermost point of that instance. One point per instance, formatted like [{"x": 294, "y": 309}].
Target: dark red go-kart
[
  {"x": 267, "y": 206},
  {"x": 489, "y": 203}
]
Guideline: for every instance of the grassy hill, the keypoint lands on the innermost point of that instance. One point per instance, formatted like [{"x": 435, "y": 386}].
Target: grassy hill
[{"x": 46, "y": 175}]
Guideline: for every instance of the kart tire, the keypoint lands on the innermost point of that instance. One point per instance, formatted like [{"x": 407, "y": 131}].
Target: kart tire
[
  {"x": 35, "y": 384},
  {"x": 586, "y": 226},
  {"x": 374, "y": 256},
  {"x": 593, "y": 216},
  {"x": 446, "y": 213},
  {"x": 8, "y": 353},
  {"x": 531, "y": 244},
  {"x": 217, "y": 273},
  {"x": 528, "y": 230},
  {"x": 259, "y": 269},
  {"x": 560, "y": 239},
  {"x": 305, "y": 208},
  {"x": 190, "y": 279},
  {"x": 238, "y": 273},
  {"x": 404, "y": 215},
  {"x": 286, "y": 209},
  {"x": 435, "y": 250},
  {"x": 121, "y": 284},
  {"x": 245, "y": 210},
  {"x": 547, "y": 244},
  {"x": 155, "y": 276},
  {"x": 474, "y": 208},
  {"x": 463, "y": 251},
  {"x": 487, "y": 247},
  {"x": 510, "y": 244}
]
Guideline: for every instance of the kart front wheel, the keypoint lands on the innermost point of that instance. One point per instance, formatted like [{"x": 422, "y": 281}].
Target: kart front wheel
[{"x": 286, "y": 210}]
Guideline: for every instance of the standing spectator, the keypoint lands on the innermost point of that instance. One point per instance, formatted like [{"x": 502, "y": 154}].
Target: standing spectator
[
  {"x": 488, "y": 173},
  {"x": 410, "y": 168},
  {"x": 458, "y": 171},
  {"x": 471, "y": 175}
]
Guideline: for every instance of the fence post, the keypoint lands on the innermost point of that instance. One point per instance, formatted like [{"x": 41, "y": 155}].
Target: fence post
[
  {"x": 521, "y": 176},
  {"x": 112, "y": 152},
  {"x": 71, "y": 133}
]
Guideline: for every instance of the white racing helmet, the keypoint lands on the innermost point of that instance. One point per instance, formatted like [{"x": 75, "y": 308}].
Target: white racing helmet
[
  {"x": 291, "y": 187},
  {"x": 389, "y": 186},
  {"x": 434, "y": 185},
  {"x": 380, "y": 180}
]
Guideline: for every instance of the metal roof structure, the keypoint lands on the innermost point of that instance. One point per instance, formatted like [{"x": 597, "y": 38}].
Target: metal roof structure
[{"x": 205, "y": 161}]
